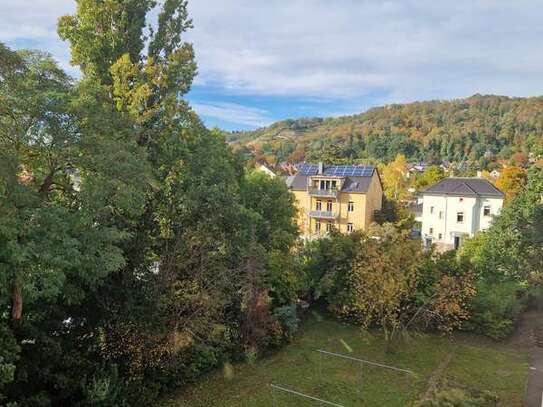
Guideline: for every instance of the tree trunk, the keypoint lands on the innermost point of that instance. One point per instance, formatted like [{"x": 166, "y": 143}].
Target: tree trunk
[{"x": 16, "y": 302}]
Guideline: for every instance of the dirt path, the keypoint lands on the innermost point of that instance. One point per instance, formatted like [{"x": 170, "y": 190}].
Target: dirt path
[{"x": 530, "y": 334}]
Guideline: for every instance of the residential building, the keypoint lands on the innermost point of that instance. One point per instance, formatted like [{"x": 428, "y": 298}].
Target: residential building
[
  {"x": 456, "y": 208},
  {"x": 265, "y": 168},
  {"x": 341, "y": 197}
]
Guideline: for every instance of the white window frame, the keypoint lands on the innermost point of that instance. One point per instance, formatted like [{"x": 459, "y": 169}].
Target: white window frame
[
  {"x": 317, "y": 226},
  {"x": 485, "y": 209},
  {"x": 329, "y": 226},
  {"x": 329, "y": 206},
  {"x": 458, "y": 216},
  {"x": 318, "y": 206},
  {"x": 350, "y": 206},
  {"x": 350, "y": 227}
]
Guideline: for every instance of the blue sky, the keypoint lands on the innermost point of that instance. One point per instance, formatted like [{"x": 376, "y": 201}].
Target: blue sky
[{"x": 265, "y": 60}]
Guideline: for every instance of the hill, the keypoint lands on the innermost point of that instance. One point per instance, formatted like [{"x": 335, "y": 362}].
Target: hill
[{"x": 477, "y": 130}]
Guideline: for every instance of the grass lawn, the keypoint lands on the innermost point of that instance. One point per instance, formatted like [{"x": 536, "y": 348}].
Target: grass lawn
[{"x": 475, "y": 362}]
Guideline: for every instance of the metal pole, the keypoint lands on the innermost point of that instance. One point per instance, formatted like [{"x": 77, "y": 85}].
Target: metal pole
[
  {"x": 361, "y": 377},
  {"x": 323, "y": 402},
  {"x": 274, "y": 404},
  {"x": 320, "y": 367},
  {"x": 365, "y": 361}
]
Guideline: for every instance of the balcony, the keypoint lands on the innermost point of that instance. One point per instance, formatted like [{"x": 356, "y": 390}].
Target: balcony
[
  {"x": 328, "y": 193},
  {"x": 323, "y": 214}
]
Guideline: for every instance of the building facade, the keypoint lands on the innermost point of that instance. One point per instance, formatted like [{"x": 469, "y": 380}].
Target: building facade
[
  {"x": 343, "y": 197},
  {"x": 456, "y": 208}
]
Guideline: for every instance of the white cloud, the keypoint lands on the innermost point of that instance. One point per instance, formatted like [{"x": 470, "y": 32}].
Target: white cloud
[
  {"x": 233, "y": 113},
  {"x": 345, "y": 50},
  {"x": 33, "y": 24}
]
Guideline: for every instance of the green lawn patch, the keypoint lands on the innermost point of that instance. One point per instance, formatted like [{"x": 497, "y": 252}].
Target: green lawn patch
[{"x": 475, "y": 363}]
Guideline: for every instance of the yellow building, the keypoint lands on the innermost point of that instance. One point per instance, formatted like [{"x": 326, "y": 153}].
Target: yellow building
[{"x": 344, "y": 197}]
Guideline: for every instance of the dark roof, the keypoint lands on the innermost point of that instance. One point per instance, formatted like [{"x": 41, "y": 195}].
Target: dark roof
[
  {"x": 458, "y": 186},
  {"x": 356, "y": 184}
]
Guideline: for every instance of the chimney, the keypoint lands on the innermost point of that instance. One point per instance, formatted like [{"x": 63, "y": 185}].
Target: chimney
[{"x": 321, "y": 168}]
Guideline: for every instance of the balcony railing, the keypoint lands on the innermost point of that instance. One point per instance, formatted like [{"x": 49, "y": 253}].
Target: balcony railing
[
  {"x": 323, "y": 214},
  {"x": 332, "y": 193}
]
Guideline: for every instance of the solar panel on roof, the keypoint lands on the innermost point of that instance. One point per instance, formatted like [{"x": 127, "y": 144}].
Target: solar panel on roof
[
  {"x": 308, "y": 169},
  {"x": 337, "y": 170}
]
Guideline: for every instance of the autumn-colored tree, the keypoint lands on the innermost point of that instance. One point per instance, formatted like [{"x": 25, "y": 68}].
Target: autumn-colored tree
[
  {"x": 520, "y": 159},
  {"x": 511, "y": 181},
  {"x": 394, "y": 178},
  {"x": 445, "y": 291},
  {"x": 383, "y": 280}
]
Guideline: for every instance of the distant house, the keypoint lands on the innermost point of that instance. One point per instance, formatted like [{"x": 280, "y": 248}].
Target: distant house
[
  {"x": 415, "y": 168},
  {"x": 495, "y": 174},
  {"x": 341, "y": 197},
  {"x": 264, "y": 167},
  {"x": 456, "y": 208}
]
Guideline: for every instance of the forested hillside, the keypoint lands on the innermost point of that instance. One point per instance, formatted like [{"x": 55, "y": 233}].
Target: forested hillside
[{"x": 478, "y": 129}]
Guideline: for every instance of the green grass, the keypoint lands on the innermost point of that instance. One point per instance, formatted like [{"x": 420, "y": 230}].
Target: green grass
[{"x": 476, "y": 363}]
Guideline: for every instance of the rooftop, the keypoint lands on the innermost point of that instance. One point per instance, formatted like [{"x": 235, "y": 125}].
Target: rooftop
[
  {"x": 357, "y": 178},
  {"x": 464, "y": 186}
]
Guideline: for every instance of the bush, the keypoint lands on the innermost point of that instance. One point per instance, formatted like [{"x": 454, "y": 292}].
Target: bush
[
  {"x": 454, "y": 397},
  {"x": 496, "y": 309},
  {"x": 288, "y": 318}
]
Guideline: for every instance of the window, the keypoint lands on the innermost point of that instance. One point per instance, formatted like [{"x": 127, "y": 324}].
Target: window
[
  {"x": 350, "y": 207},
  {"x": 431, "y": 231},
  {"x": 486, "y": 211},
  {"x": 319, "y": 206},
  {"x": 350, "y": 227},
  {"x": 329, "y": 227},
  {"x": 431, "y": 209},
  {"x": 334, "y": 184},
  {"x": 317, "y": 226},
  {"x": 440, "y": 214},
  {"x": 460, "y": 217},
  {"x": 440, "y": 236},
  {"x": 329, "y": 206}
]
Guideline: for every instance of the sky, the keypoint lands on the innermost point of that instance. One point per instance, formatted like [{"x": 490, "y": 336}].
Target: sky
[{"x": 261, "y": 61}]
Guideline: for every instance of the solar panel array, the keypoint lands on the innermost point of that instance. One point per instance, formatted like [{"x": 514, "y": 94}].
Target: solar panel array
[
  {"x": 349, "y": 171},
  {"x": 337, "y": 170},
  {"x": 307, "y": 169}
]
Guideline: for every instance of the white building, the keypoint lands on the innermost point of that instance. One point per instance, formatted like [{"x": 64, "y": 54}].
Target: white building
[
  {"x": 455, "y": 208},
  {"x": 265, "y": 169}
]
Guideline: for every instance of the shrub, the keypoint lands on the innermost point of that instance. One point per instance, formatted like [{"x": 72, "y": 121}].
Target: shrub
[
  {"x": 288, "y": 318},
  {"x": 496, "y": 309},
  {"x": 454, "y": 397}
]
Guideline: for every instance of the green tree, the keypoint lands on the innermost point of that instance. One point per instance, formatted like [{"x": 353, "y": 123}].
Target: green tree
[
  {"x": 431, "y": 175},
  {"x": 69, "y": 179},
  {"x": 511, "y": 249}
]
